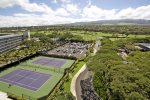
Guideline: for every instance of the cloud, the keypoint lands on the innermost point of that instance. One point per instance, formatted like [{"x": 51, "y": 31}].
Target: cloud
[
  {"x": 61, "y": 1},
  {"x": 94, "y": 12},
  {"x": 66, "y": 13},
  {"x": 21, "y": 19},
  {"x": 98, "y": 13},
  {"x": 26, "y": 5},
  {"x": 29, "y": 20},
  {"x": 142, "y": 12},
  {"x": 8, "y": 3},
  {"x": 61, "y": 12},
  {"x": 72, "y": 8},
  {"x": 89, "y": 3},
  {"x": 54, "y": 1},
  {"x": 65, "y": 1},
  {"x": 34, "y": 7}
]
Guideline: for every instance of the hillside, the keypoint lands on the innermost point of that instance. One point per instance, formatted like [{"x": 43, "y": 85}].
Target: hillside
[{"x": 117, "y": 22}]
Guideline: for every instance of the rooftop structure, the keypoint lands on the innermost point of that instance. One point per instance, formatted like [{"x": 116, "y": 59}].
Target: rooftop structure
[
  {"x": 26, "y": 34},
  {"x": 145, "y": 46}
]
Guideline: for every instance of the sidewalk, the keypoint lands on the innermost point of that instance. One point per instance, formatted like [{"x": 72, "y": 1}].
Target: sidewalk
[
  {"x": 3, "y": 96},
  {"x": 74, "y": 83}
]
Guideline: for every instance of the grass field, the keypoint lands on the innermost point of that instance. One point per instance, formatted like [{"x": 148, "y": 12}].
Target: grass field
[
  {"x": 132, "y": 36},
  {"x": 44, "y": 90},
  {"x": 95, "y": 35}
]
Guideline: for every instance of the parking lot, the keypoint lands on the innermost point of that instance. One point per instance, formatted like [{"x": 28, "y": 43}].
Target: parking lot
[{"x": 73, "y": 49}]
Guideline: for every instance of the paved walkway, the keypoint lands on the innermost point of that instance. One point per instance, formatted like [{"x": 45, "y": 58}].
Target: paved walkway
[
  {"x": 83, "y": 73},
  {"x": 74, "y": 84},
  {"x": 77, "y": 86},
  {"x": 97, "y": 45},
  {"x": 3, "y": 96}
]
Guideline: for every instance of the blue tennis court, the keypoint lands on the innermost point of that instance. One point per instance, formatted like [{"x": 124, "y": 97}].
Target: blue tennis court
[
  {"x": 57, "y": 63},
  {"x": 25, "y": 78}
]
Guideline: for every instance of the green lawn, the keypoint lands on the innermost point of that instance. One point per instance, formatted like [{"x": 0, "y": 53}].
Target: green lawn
[
  {"x": 138, "y": 36},
  {"x": 42, "y": 32},
  {"x": 92, "y": 35},
  {"x": 95, "y": 35},
  {"x": 67, "y": 84},
  {"x": 131, "y": 36}
]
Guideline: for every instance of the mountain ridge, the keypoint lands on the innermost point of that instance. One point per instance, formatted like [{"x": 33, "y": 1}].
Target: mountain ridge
[{"x": 118, "y": 22}]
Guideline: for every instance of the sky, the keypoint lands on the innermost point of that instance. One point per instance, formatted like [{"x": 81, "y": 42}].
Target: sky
[{"x": 49, "y": 12}]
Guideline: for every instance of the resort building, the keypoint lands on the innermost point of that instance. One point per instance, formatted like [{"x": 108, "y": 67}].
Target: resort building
[{"x": 9, "y": 41}]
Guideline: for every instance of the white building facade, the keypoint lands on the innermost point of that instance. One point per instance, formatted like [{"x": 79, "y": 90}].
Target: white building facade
[{"x": 10, "y": 41}]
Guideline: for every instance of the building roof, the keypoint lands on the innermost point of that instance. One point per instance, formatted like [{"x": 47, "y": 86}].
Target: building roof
[
  {"x": 2, "y": 34},
  {"x": 8, "y": 35},
  {"x": 147, "y": 45}
]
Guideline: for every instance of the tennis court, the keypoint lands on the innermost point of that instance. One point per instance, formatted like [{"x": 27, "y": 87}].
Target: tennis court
[
  {"x": 25, "y": 78},
  {"x": 50, "y": 62},
  {"x": 35, "y": 78}
]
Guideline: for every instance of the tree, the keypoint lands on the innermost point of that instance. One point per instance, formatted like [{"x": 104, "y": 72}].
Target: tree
[{"x": 135, "y": 96}]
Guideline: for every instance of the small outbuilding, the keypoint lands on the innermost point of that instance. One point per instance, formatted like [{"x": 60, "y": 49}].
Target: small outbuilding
[{"x": 144, "y": 46}]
